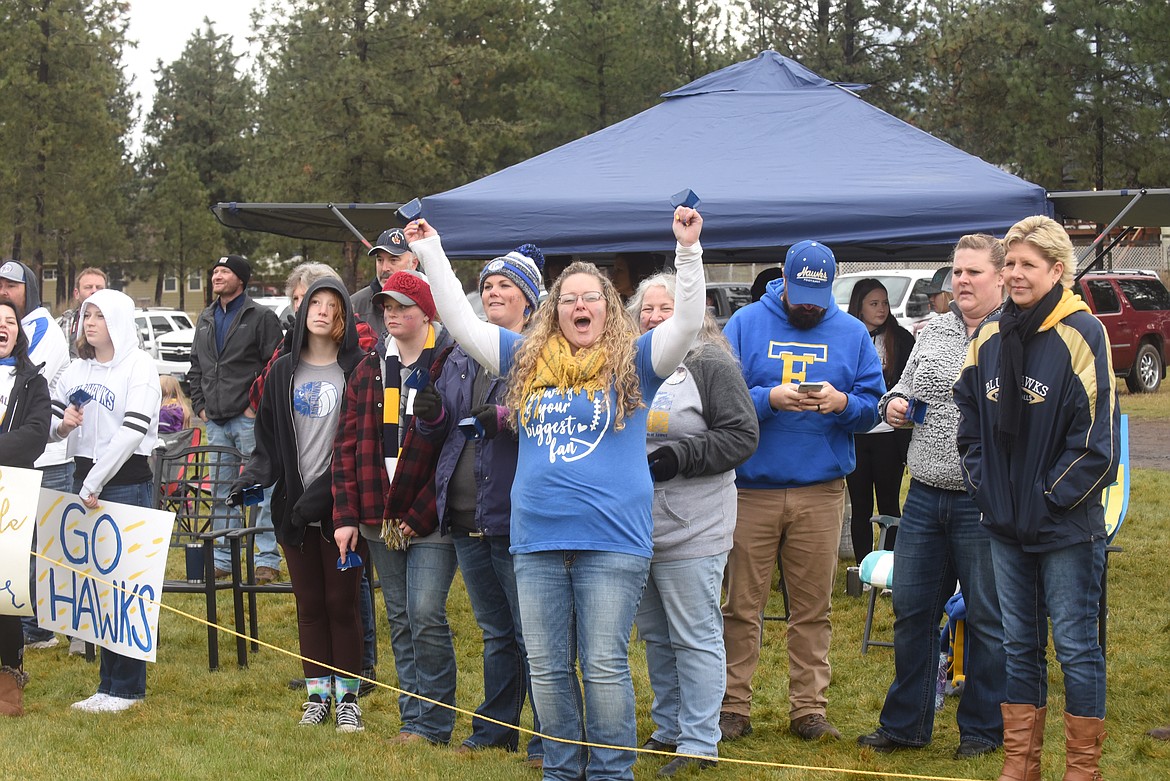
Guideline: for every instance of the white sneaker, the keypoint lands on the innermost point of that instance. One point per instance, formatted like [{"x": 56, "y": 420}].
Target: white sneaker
[
  {"x": 52, "y": 642},
  {"x": 113, "y": 704},
  {"x": 89, "y": 704}
]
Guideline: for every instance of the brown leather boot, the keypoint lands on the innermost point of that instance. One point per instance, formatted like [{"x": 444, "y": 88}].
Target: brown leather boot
[
  {"x": 1023, "y": 740},
  {"x": 12, "y": 683},
  {"x": 1083, "y": 736}
]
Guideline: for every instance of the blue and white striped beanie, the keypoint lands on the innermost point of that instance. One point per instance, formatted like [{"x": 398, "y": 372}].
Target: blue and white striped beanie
[{"x": 523, "y": 266}]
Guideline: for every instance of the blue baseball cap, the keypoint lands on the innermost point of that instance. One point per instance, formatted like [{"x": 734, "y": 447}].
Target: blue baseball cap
[{"x": 809, "y": 269}]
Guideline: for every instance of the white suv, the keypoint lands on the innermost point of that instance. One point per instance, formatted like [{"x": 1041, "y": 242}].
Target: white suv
[
  {"x": 907, "y": 288},
  {"x": 163, "y": 333}
]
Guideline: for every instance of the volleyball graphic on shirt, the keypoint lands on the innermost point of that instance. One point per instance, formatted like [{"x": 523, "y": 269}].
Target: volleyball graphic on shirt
[{"x": 316, "y": 399}]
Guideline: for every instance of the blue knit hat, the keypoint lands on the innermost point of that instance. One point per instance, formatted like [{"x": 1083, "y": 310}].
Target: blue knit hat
[{"x": 523, "y": 266}]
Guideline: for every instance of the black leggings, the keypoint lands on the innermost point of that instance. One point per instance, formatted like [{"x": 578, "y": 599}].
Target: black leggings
[{"x": 881, "y": 459}]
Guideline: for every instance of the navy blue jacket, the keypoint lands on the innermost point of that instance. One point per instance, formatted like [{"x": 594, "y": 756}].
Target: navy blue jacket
[
  {"x": 495, "y": 459},
  {"x": 1046, "y": 493}
]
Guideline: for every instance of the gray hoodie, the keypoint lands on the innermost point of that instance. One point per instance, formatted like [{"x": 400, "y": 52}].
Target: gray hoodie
[{"x": 704, "y": 413}]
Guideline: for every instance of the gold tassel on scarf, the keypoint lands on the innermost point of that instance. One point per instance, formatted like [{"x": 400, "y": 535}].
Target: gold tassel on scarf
[
  {"x": 393, "y": 537},
  {"x": 557, "y": 367}
]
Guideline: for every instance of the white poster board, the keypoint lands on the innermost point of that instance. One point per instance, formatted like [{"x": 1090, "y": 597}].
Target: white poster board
[
  {"x": 20, "y": 490},
  {"x": 110, "y": 567}
]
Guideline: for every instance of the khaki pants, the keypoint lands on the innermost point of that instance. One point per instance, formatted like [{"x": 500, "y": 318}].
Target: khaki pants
[{"x": 803, "y": 525}]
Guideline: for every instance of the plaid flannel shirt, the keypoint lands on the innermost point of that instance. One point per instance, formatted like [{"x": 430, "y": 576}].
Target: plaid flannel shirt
[{"x": 362, "y": 491}]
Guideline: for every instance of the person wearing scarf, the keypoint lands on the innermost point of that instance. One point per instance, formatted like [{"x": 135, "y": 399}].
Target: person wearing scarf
[
  {"x": 580, "y": 379},
  {"x": 384, "y": 480},
  {"x": 1038, "y": 438}
]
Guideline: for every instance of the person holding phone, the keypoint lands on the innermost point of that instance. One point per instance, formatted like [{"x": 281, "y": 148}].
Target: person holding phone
[
  {"x": 792, "y": 489},
  {"x": 941, "y": 542},
  {"x": 464, "y": 412},
  {"x": 295, "y": 428},
  {"x": 383, "y": 482},
  {"x": 110, "y": 437},
  {"x": 881, "y": 451}
]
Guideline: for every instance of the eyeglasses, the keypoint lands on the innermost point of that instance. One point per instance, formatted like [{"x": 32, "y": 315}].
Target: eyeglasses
[{"x": 592, "y": 297}]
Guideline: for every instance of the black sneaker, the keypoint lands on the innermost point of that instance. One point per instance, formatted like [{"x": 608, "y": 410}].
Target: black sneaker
[
  {"x": 349, "y": 715},
  {"x": 316, "y": 711}
]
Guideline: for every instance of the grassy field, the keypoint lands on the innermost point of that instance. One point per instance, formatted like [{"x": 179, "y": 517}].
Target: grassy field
[{"x": 242, "y": 723}]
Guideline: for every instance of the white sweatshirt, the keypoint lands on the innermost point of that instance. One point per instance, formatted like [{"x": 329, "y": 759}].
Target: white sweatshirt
[{"x": 122, "y": 418}]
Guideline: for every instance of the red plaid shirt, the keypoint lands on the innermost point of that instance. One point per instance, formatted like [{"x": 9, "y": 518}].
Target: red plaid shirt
[{"x": 361, "y": 488}]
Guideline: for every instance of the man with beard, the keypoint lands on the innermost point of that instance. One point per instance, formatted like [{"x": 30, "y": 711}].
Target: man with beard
[
  {"x": 815, "y": 379},
  {"x": 390, "y": 254}
]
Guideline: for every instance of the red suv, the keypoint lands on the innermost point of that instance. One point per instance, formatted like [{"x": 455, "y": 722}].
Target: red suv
[{"x": 1135, "y": 308}]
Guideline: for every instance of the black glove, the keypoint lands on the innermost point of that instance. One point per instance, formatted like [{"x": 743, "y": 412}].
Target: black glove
[
  {"x": 428, "y": 406},
  {"x": 489, "y": 416},
  {"x": 663, "y": 464},
  {"x": 235, "y": 498}
]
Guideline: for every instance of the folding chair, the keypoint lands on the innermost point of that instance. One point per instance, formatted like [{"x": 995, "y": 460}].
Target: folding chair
[
  {"x": 184, "y": 484},
  {"x": 877, "y": 569}
]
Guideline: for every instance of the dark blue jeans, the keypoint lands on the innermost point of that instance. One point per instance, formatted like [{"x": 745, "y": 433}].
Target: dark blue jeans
[
  {"x": 490, "y": 579},
  {"x": 121, "y": 676},
  {"x": 369, "y": 625},
  {"x": 940, "y": 541},
  {"x": 1065, "y": 585}
]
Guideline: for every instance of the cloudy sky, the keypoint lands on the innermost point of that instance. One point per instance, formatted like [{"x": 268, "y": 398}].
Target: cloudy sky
[{"x": 162, "y": 28}]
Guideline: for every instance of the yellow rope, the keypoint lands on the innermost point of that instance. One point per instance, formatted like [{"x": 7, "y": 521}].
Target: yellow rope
[{"x": 541, "y": 735}]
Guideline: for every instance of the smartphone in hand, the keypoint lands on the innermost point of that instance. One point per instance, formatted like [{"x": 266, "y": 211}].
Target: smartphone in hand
[{"x": 810, "y": 387}]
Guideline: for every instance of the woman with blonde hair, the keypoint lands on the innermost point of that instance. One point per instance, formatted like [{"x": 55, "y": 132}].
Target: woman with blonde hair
[
  {"x": 1038, "y": 437},
  {"x": 581, "y": 539}
]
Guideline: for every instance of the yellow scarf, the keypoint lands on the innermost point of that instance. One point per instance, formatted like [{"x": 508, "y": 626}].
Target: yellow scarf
[{"x": 557, "y": 367}]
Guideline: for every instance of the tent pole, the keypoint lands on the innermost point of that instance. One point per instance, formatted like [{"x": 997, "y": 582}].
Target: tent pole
[
  {"x": 1103, "y": 234},
  {"x": 337, "y": 213}
]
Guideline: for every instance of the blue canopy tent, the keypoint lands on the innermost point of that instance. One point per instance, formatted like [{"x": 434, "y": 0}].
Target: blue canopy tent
[{"x": 776, "y": 153}]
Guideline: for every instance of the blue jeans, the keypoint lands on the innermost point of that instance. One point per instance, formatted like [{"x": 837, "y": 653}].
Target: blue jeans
[
  {"x": 369, "y": 627},
  {"x": 940, "y": 540},
  {"x": 239, "y": 432},
  {"x": 490, "y": 579},
  {"x": 121, "y": 676},
  {"x": 1065, "y": 585},
  {"x": 415, "y": 584},
  {"x": 680, "y": 620},
  {"x": 578, "y": 606},
  {"x": 57, "y": 477}
]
